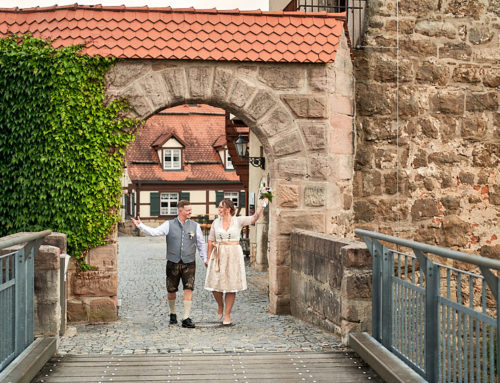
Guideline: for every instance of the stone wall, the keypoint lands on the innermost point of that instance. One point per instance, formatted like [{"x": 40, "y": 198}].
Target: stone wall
[
  {"x": 427, "y": 167},
  {"x": 331, "y": 282},
  {"x": 92, "y": 295}
]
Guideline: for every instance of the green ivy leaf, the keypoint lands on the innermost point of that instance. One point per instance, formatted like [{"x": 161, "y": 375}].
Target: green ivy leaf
[{"x": 55, "y": 133}]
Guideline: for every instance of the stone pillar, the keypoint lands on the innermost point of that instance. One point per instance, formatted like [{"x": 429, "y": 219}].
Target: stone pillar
[
  {"x": 261, "y": 263},
  {"x": 47, "y": 319},
  {"x": 313, "y": 163},
  {"x": 341, "y": 142},
  {"x": 92, "y": 295},
  {"x": 355, "y": 290}
]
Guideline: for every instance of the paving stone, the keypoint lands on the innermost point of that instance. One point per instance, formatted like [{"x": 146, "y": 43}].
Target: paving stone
[{"x": 143, "y": 325}]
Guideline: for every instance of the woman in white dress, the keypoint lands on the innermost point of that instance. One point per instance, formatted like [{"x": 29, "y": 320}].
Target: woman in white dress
[{"x": 226, "y": 264}]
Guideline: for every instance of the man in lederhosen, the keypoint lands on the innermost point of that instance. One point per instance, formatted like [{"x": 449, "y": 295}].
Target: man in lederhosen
[{"x": 183, "y": 236}]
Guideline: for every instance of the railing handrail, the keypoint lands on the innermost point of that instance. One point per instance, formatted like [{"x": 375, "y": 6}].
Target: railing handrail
[
  {"x": 23, "y": 238},
  {"x": 429, "y": 323},
  {"x": 446, "y": 253}
]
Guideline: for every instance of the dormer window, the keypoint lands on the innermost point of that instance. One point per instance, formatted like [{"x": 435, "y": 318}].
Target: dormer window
[
  {"x": 169, "y": 149},
  {"x": 228, "y": 163},
  {"x": 172, "y": 159}
]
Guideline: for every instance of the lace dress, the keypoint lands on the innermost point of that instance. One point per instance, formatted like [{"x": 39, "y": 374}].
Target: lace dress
[{"x": 226, "y": 267}]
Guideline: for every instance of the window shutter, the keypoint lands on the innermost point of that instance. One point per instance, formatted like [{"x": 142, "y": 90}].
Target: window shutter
[
  {"x": 154, "y": 204},
  {"x": 184, "y": 196},
  {"x": 219, "y": 196},
  {"x": 126, "y": 207},
  {"x": 132, "y": 206},
  {"x": 242, "y": 203}
]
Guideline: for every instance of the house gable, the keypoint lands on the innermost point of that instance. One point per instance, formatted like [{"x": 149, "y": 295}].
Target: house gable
[{"x": 173, "y": 143}]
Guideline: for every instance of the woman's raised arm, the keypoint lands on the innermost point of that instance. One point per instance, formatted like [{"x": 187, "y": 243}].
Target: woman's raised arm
[{"x": 260, "y": 209}]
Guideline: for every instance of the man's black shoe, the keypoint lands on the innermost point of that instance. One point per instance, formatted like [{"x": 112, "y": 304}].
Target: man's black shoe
[
  {"x": 173, "y": 318},
  {"x": 188, "y": 323}
]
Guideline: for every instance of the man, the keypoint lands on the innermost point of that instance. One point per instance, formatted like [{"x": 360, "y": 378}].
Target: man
[{"x": 183, "y": 237}]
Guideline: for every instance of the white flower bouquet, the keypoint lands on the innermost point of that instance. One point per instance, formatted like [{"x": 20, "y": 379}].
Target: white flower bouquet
[{"x": 267, "y": 192}]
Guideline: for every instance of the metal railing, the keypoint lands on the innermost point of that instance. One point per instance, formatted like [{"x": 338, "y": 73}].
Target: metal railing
[
  {"x": 355, "y": 12},
  {"x": 441, "y": 320},
  {"x": 16, "y": 294}
]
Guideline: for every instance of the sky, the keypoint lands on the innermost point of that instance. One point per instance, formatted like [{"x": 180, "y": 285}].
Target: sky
[{"x": 199, "y": 4}]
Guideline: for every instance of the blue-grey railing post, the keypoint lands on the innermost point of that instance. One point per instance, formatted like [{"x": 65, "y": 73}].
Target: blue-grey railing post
[
  {"x": 20, "y": 300},
  {"x": 387, "y": 273},
  {"x": 30, "y": 291},
  {"x": 432, "y": 322},
  {"x": 377, "y": 251},
  {"x": 498, "y": 325}
]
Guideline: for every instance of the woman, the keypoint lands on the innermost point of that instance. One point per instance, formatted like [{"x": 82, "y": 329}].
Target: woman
[{"x": 226, "y": 265}]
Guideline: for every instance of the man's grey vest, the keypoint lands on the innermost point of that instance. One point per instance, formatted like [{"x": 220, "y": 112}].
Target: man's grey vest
[{"x": 181, "y": 241}]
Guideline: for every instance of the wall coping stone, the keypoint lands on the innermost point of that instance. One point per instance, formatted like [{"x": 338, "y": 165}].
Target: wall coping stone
[{"x": 348, "y": 242}]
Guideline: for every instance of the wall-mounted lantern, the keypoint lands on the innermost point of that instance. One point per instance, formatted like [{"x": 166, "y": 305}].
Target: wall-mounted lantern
[{"x": 241, "y": 148}]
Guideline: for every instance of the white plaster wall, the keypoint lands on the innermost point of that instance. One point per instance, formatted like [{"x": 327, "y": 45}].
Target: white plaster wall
[
  {"x": 145, "y": 197},
  {"x": 198, "y": 210},
  {"x": 197, "y": 196},
  {"x": 277, "y": 5}
]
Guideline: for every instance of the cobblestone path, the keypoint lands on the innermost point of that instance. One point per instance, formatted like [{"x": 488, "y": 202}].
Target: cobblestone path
[{"x": 143, "y": 326}]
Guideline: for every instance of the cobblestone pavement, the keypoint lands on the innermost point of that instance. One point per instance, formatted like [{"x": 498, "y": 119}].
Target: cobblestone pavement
[{"x": 143, "y": 316}]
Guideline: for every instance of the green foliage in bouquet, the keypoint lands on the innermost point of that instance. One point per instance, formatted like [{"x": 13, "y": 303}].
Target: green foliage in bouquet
[{"x": 268, "y": 193}]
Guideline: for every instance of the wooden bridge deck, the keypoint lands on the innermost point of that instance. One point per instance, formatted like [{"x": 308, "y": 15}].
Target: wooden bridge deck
[{"x": 237, "y": 367}]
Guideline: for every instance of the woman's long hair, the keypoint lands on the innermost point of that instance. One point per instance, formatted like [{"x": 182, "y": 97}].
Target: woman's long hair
[{"x": 229, "y": 204}]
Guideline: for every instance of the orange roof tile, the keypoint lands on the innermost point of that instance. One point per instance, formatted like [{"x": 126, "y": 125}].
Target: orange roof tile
[{"x": 166, "y": 33}]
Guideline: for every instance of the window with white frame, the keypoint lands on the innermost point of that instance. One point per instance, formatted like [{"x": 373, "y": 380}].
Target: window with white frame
[
  {"x": 229, "y": 164},
  {"x": 168, "y": 203},
  {"x": 171, "y": 159},
  {"x": 233, "y": 196}
]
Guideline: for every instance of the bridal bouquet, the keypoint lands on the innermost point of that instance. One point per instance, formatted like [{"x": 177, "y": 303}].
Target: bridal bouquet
[{"x": 267, "y": 192}]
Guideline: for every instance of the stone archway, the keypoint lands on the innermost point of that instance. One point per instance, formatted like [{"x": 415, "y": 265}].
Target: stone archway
[
  {"x": 288, "y": 75},
  {"x": 302, "y": 115}
]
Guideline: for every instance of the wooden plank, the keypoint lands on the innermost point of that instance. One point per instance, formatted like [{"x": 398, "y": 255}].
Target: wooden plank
[
  {"x": 134, "y": 379},
  {"x": 208, "y": 357},
  {"x": 175, "y": 370},
  {"x": 212, "y": 362},
  {"x": 320, "y": 377},
  {"x": 270, "y": 355},
  {"x": 199, "y": 368}
]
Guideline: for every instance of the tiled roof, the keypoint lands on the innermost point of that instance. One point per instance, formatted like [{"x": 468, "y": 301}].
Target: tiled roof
[
  {"x": 166, "y": 33},
  {"x": 220, "y": 141},
  {"x": 198, "y": 127}
]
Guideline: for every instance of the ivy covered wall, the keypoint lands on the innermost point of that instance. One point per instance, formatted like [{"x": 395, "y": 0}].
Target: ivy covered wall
[{"x": 61, "y": 146}]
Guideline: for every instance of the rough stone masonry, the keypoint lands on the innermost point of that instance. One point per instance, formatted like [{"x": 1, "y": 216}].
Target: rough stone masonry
[{"x": 428, "y": 140}]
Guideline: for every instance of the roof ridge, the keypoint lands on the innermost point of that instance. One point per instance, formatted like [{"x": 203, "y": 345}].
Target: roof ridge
[{"x": 145, "y": 8}]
